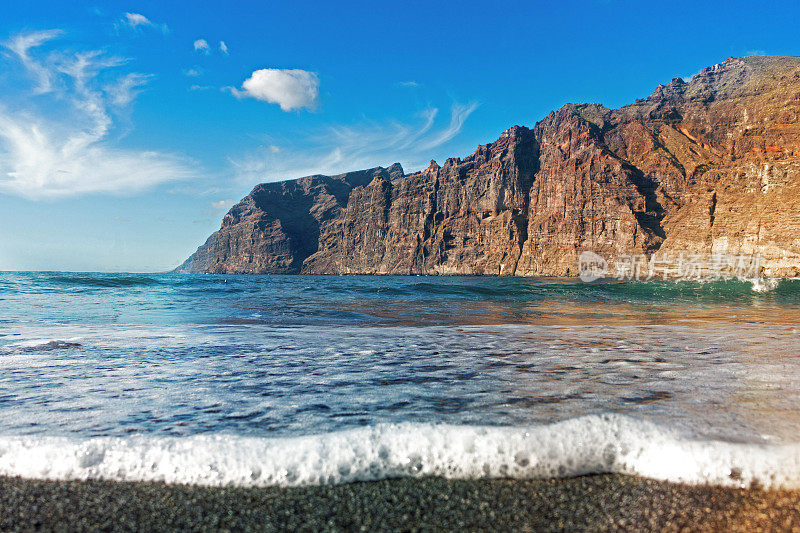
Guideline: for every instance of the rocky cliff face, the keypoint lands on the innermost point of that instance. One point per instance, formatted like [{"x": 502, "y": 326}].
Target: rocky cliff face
[
  {"x": 199, "y": 261},
  {"x": 705, "y": 167}
]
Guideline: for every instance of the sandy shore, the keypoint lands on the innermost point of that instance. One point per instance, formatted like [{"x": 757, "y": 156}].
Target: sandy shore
[{"x": 607, "y": 502}]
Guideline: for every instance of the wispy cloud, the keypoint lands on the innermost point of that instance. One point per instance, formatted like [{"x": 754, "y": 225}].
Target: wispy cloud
[
  {"x": 138, "y": 21},
  {"x": 125, "y": 89},
  {"x": 22, "y": 44},
  {"x": 52, "y": 155},
  {"x": 342, "y": 148},
  {"x": 458, "y": 116},
  {"x": 223, "y": 47},
  {"x": 201, "y": 45},
  {"x": 289, "y": 88}
]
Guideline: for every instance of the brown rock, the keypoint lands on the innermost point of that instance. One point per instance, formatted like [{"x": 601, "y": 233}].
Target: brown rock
[{"x": 709, "y": 166}]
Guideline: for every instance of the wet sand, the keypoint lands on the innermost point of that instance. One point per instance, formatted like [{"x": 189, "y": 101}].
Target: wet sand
[{"x": 606, "y": 502}]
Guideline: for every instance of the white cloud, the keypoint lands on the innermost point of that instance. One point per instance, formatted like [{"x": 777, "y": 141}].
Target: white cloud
[
  {"x": 22, "y": 44},
  {"x": 70, "y": 152},
  {"x": 290, "y": 89},
  {"x": 223, "y": 47},
  {"x": 222, "y": 205},
  {"x": 201, "y": 45},
  {"x": 344, "y": 148},
  {"x": 137, "y": 21}
]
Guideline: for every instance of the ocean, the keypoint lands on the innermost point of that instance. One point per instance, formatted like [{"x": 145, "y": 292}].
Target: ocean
[{"x": 309, "y": 380}]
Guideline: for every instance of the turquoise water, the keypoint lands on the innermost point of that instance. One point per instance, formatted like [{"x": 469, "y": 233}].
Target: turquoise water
[
  {"x": 97, "y": 299},
  {"x": 156, "y": 362}
]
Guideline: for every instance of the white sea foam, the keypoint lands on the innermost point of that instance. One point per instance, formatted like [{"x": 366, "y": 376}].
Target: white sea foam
[
  {"x": 607, "y": 443},
  {"x": 764, "y": 284}
]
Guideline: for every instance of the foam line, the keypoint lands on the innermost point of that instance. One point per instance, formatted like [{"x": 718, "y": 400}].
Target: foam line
[{"x": 592, "y": 444}]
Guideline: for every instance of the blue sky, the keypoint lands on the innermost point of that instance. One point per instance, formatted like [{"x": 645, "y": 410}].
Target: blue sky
[{"x": 127, "y": 129}]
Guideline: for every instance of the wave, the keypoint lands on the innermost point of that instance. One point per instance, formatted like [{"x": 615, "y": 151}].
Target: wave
[
  {"x": 105, "y": 280},
  {"x": 448, "y": 287},
  {"x": 39, "y": 345},
  {"x": 607, "y": 443},
  {"x": 536, "y": 289},
  {"x": 101, "y": 280}
]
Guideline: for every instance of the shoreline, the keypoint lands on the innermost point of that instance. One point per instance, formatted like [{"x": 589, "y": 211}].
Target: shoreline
[{"x": 596, "y": 502}]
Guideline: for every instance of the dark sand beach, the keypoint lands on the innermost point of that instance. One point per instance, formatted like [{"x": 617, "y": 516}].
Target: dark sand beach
[{"x": 602, "y": 502}]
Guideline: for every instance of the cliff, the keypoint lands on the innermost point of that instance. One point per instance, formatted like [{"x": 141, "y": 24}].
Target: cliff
[
  {"x": 705, "y": 167},
  {"x": 200, "y": 260}
]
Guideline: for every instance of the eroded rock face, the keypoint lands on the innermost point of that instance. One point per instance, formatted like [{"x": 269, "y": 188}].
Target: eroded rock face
[
  {"x": 277, "y": 226},
  {"x": 465, "y": 217},
  {"x": 705, "y": 167}
]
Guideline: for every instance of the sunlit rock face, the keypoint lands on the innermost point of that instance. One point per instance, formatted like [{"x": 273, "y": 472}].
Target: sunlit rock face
[{"x": 709, "y": 166}]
